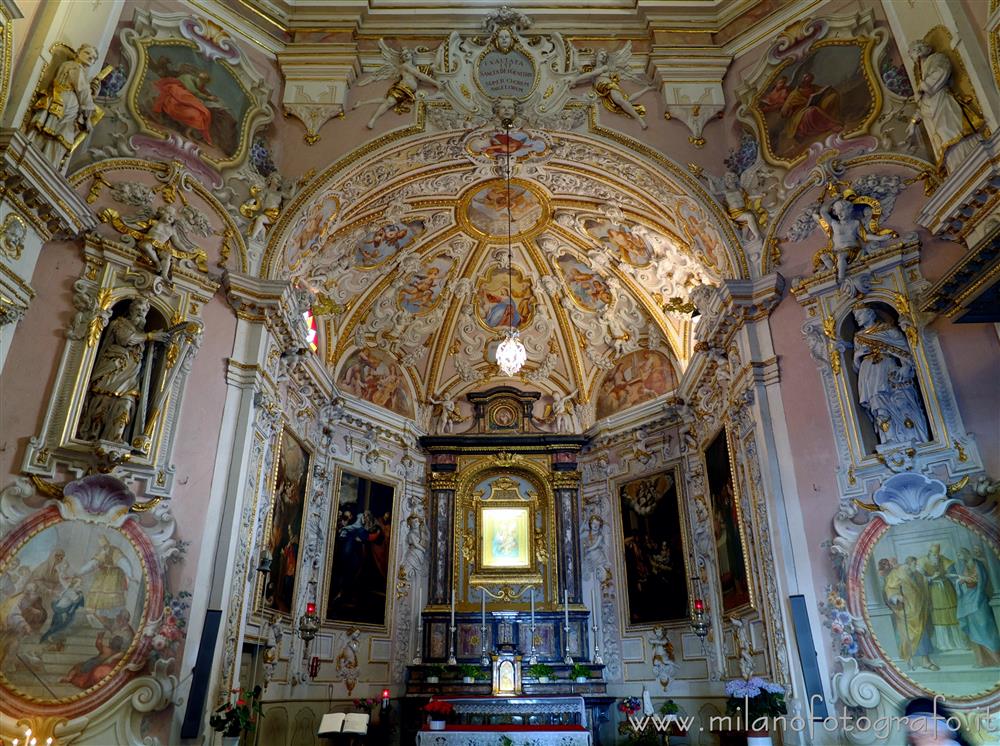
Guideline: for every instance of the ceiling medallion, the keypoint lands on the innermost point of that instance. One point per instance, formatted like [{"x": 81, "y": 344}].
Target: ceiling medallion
[{"x": 511, "y": 354}]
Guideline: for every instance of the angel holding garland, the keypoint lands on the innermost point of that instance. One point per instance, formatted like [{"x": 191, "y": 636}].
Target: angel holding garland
[
  {"x": 403, "y": 93},
  {"x": 606, "y": 76}
]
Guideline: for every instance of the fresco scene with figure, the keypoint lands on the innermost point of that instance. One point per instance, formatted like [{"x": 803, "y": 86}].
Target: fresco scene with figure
[
  {"x": 932, "y": 601},
  {"x": 285, "y": 523},
  {"x": 358, "y": 582},
  {"x": 638, "y": 377},
  {"x": 71, "y": 609},
  {"x": 726, "y": 524},
  {"x": 654, "y": 550},
  {"x": 185, "y": 93},
  {"x": 431, "y": 347},
  {"x": 830, "y": 91},
  {"x": 373, "y": 375}
]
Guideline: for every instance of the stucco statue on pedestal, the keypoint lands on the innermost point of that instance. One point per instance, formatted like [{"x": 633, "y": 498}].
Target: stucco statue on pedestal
[
  {"x": 564, "y": 412},
  {"x": 116, "y": 382},
  {"x": 887, "y": 387},
  {"x": 950, "y": 117},
  {"x": 842, "y": 219},
  {"x": 63, "y": 112}
]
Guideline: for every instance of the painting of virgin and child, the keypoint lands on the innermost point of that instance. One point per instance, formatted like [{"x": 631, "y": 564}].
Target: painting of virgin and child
[{"x": 359, "y": 572}]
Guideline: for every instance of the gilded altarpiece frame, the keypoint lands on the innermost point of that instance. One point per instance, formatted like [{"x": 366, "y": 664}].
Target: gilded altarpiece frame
[
  {"x": 109, "y": 283},
  {"x": 520, "y": 494}
]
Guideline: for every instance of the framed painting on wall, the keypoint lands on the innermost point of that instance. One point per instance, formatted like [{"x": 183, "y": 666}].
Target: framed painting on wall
[
  {"x": 730, "y": 545},
  {"x": 358, "y": 572},
  {"x": 654, "y": 552},
  {"x": 505, "y": 537},
  {"x": 284, "y": 523}
]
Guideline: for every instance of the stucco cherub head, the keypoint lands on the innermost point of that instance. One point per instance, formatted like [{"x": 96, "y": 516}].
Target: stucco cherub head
[
  {"x": 842, "y": 209},
  {"x": 504, "y": 39},
  {"x": 86, "y": 55},
  {"x": 919, "y": 49}
]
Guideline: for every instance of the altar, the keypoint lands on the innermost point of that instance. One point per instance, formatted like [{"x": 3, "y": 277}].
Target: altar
[{"x": 522, "y": 720}]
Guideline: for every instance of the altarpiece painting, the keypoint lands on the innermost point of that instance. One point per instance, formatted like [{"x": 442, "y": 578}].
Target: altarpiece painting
[
  {"x": 284, "y": 528},
  {"x": 358, "y": 576},
  {"x": 727, "y": 524},
  {"x": 653, "y": 539}
]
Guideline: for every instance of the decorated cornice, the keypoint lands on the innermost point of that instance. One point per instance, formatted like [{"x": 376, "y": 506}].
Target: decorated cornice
[
  {"x": 317, "y": 78},
  {"x": 691, "y": 84},
  {"x": 39, "y": 192},
  {"x": 959, "y": 208},
  {"x": 735, "y": 303},
  {"x": 968, "y": 292}
]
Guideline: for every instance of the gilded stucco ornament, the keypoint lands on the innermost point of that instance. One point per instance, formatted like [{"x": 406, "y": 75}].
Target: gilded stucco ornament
[
  {"x": 605, "y": 76},
  {"x": 407, "y": 76},
  {"x": 264, "y": 204},
  {"x": 12, "y": 233}
]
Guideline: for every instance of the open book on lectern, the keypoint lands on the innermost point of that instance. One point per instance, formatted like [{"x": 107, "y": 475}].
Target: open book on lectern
[{"x": 341, "y": 722}]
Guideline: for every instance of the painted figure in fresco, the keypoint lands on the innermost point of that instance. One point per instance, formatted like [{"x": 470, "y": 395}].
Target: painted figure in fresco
[
  {"x": 908, "y": 597},
  {"x": 606, "y": 77},
  {"x": 403, "y": 93},
  {"x": 110, "y": 650},
  {"x": 811, "y": 110},
  {"x": 975, "y": 616},
  {"x": 631, "y": 247},
  {"x": 106, "y": 595},
  {"x": 505, "y": 309},
  {"x": 887, "y": 387},
  {"x": 949, "y": 118},
  {"x": 52, "y": 575},
  {"x": 114, "y": 384},
  {"x": 64, "y": 611},
  {"x": 183, "y": 96},
  {"x": 65, "y": 112},
  {"x": 418, "y": 294},
  {"x": 944, "y": 600},
  {"x": 774, "y": 99},
  {"x": 289, "y": 559}
]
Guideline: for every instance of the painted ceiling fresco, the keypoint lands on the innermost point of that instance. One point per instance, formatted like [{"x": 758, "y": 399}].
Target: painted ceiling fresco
[{"x": 407, "y": 256}]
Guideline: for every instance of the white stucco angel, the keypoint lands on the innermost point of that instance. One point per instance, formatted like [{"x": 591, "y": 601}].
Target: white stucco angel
[
  {"x": 446, "y": 414},
  {"x": 161, "y": 235},
  {"x": 843, "y": 220},
  {"x": 402, "y": 94},
  {"x": 264, "y": 204},
  {"x": 606, "y": 76},
  {"x": 564, "y": 412},
  {"x": 740, "y": 195}
]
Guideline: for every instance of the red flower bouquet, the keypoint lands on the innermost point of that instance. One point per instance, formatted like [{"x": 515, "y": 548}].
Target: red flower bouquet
[{"x": 438, "y": 710}]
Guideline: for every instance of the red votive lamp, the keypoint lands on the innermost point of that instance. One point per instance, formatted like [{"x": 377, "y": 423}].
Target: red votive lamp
[
  {"x": 310, "y": 608},
  {"x": 385, "y": 698},
  {"x": 699, "y": 605}
]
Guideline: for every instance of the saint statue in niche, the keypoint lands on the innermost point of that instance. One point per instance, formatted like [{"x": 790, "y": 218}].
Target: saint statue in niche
[
  {"x": 887, "y": 387},
  {"x": 121, "y": 383}
]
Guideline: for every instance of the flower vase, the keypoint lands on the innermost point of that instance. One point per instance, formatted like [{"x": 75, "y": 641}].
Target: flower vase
[
  {"x": 759, "y": 738},
  {"x": 230, "y": 741},
  {"x": 437, "y": 724}
]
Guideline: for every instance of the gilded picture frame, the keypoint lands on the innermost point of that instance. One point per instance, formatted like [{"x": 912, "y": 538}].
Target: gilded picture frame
[
  {"x": 505, "y": 537},
  {"x": 670, "y": 482},
  {"x": 729, "y": 526},
  {"x": 288, "y": 505},
  {"x": 335, "y": 555}
]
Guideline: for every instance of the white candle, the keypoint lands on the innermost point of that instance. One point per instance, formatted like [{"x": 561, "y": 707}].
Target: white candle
[
  {"x": 484, "y": 606},
  {"x": 452, "y": 607},
  {"x": 532, "y": 609},
  {"x": 566, "y": 606}
]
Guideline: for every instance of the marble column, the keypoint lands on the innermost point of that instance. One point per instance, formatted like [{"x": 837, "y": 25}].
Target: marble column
[
  {"x": 442, "y": 511},
  {"x": 567, "y": 493}
]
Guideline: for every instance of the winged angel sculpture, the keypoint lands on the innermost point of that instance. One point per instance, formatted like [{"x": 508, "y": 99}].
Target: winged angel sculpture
[
  {"x": 402, "y": 94},
  {"x": 161, "y": 235},
  {"x": 610, "y": 68}
]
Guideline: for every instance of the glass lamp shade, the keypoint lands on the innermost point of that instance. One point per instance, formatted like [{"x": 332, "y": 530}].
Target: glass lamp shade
[{"x": 511, "y": 354}]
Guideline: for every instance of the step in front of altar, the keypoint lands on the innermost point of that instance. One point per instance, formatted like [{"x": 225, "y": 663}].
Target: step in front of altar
[
  {"x": 525, "y": 735},
  {"x": 560, "y": 721}
]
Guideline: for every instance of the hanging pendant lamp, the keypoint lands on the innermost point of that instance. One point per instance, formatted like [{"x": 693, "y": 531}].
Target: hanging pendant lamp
[{"x": 511, "y": 354}]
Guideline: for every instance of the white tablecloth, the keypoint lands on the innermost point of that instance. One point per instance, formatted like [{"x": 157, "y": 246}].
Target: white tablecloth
[{"x": 492, "y": 738}]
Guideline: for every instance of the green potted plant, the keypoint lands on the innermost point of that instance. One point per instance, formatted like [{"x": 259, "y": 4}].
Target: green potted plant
[
  {"x": 470, "y": 673},
  {"x": 541, "y": 672},
  {"x": 234, "y": 719},
  {"x": 755, "y": 701},
  {"x": 673, "y": 710},
  {"x": 434, "y": 673},
  {"x": 579, "y": 672}
]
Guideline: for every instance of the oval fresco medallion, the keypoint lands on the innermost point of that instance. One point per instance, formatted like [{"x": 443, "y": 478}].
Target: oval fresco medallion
[
  {"x": 483, "y": 209},
  {"x": 587, "y": 288},
  {"x": 75, "y": 597},
  {"x": 639, "y": 376},
  {"x": 925, "y": 589},
  {"x": 372, "y": 375},
  {"x": 499, "y": 144},
  {"x": 421, "y": 294},
  {"x": 383, "y": 242},
  {"x": 500, "y": 303},
  {"x": 621, "y": 240}
]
